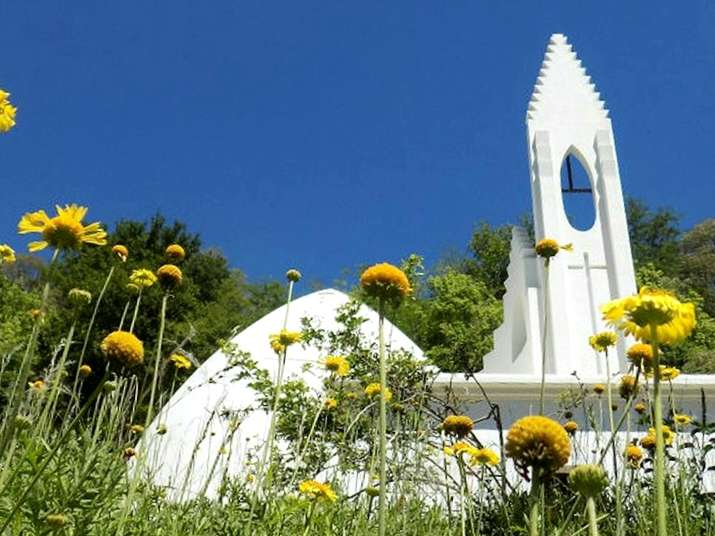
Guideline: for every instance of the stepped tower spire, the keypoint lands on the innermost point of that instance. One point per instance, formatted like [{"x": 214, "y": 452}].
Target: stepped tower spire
[{"x": 565, "y": 119}]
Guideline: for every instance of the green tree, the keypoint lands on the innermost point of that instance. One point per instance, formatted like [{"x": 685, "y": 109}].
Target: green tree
[
  {"x": 459, "y": 319},
  {"x": 698, "y": 261},
  {"x": 654, "y": 236}
]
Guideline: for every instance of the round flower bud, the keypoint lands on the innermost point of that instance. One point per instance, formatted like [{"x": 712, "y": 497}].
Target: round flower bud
[
  {"x": 640, "y": 408},
  {"x": 589, "y": 480},
  {"x": 539, "y": 442},
  {"x": 628, "y": 386},
  {"x": 85, "y": 370},
  {"x": 293, "y": 275},
  {"x": 79, "y": 297},
  {"x": 121, "y": 252},
  {"x": 175, "y": 253},
  {"x": 634, "y": 455},
  {"x": 570, "y": 427},
  {"x": 110, "y": 386},
  {"x": 123, "y": 347},
  {"x": 641, "y": 355},
  {"x": 372, "y": 491},
  {"x": 385, "y": 281},
  {"x": 458, "y": 425},
  {"x": 548, "y": 247},
  {"x": 169, "y": 275},
  {"x": 599, "y": 388},
  {"x": 56, "y": 521}
]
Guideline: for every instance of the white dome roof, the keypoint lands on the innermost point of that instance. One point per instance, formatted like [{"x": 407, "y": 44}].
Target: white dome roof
[{"x": 187, "y": 459}]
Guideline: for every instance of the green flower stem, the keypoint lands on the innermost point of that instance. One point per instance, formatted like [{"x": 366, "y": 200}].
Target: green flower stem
[
  {"x": 301, "y": 452},
  {"x": 57, "y": 383},
  {"x": 89, "y": 332},
  {"x": 611, "y": 424},
  {"x": 543, "y": 338},
  {"x": 155, "y": 378},
  {"x": 592, "y": 520},
  {"x": 309, "y": 518},
  {"x": 124, "y": 315},
  {"x": 136, "y": 310},
  {"x": 265, "y": 457},
  {"x": 661, "y": 523},
  {"x": 382, "y": 507},
  {"x": 536, "y": 494}
]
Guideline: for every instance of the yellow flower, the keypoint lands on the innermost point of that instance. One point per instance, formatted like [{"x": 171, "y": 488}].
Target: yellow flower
[
  {"x": 668, "y": 373},
  {"x": 7, "y": 112},
  {"x": 484, "y": 456},
  {"x": 37, "y": 385},
  {"x": 281, "y": 341},
  {"x": 375, "y": 388},
  {"x": 128, "y": 453},
  {"x": 637, "y": 315},
  {"x": 123, "y": 347},
  {"x": 459, "y": 448},
  {"x": 571, "y": 427},
  {"x": 7, "y": 254},
  {"x": 169, "y": 275},
  {"x": 330, "y": 404},
  {"x": 136, "y": 429},
  {"x": 640, "y": 408},
  {"x": 641, "y": 355},
  {"x": 668, "y": 434},
  {"x": 601, "y": 341},
  {"x": 175, "y": 253},
  {"x": 121, "y": 251},
  {"x": 180, "y": 361},
  {"x": 85, "y": 370},
  {"x": 459, "y": 425},
  {"x": 317, "y": 490},
  {"x": 648, "y": 441},
  {"x": 142, "y": 278},
  {"x": 539, "y": 442},
  {"x": 599, "y": 388},
  {"x": 64, "y": 231},
  {"x": 681, "y": 419},
  {"x": 548, "y": 247},
  {"x": 628, "y": 386},
  {"x": 385, "y": 281},
  {"x": 634, "y": 455},
  {"x": 337, "y": 364},
  {"x": 293, "y": 275}
]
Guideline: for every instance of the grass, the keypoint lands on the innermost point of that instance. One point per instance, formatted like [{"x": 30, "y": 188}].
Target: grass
[{"x": 69, "y": 461}]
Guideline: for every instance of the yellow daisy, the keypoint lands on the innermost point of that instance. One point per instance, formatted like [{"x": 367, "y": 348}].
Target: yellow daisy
[
  {"x": 64, "y": 231},
  {"x": 652, "y": 309},
  {"x": 7, "y": 254},
  {"x": 7, "y": 112}
]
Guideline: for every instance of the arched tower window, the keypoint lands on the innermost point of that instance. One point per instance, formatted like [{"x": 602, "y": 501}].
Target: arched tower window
[{"x": 577, "y": 193}]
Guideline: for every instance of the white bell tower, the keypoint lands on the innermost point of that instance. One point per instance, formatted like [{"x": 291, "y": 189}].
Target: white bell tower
[{"x": 565, "y": 118}]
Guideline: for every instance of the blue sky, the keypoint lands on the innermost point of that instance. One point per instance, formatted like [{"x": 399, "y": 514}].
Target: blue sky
[{"x": 326, "y": 135}]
